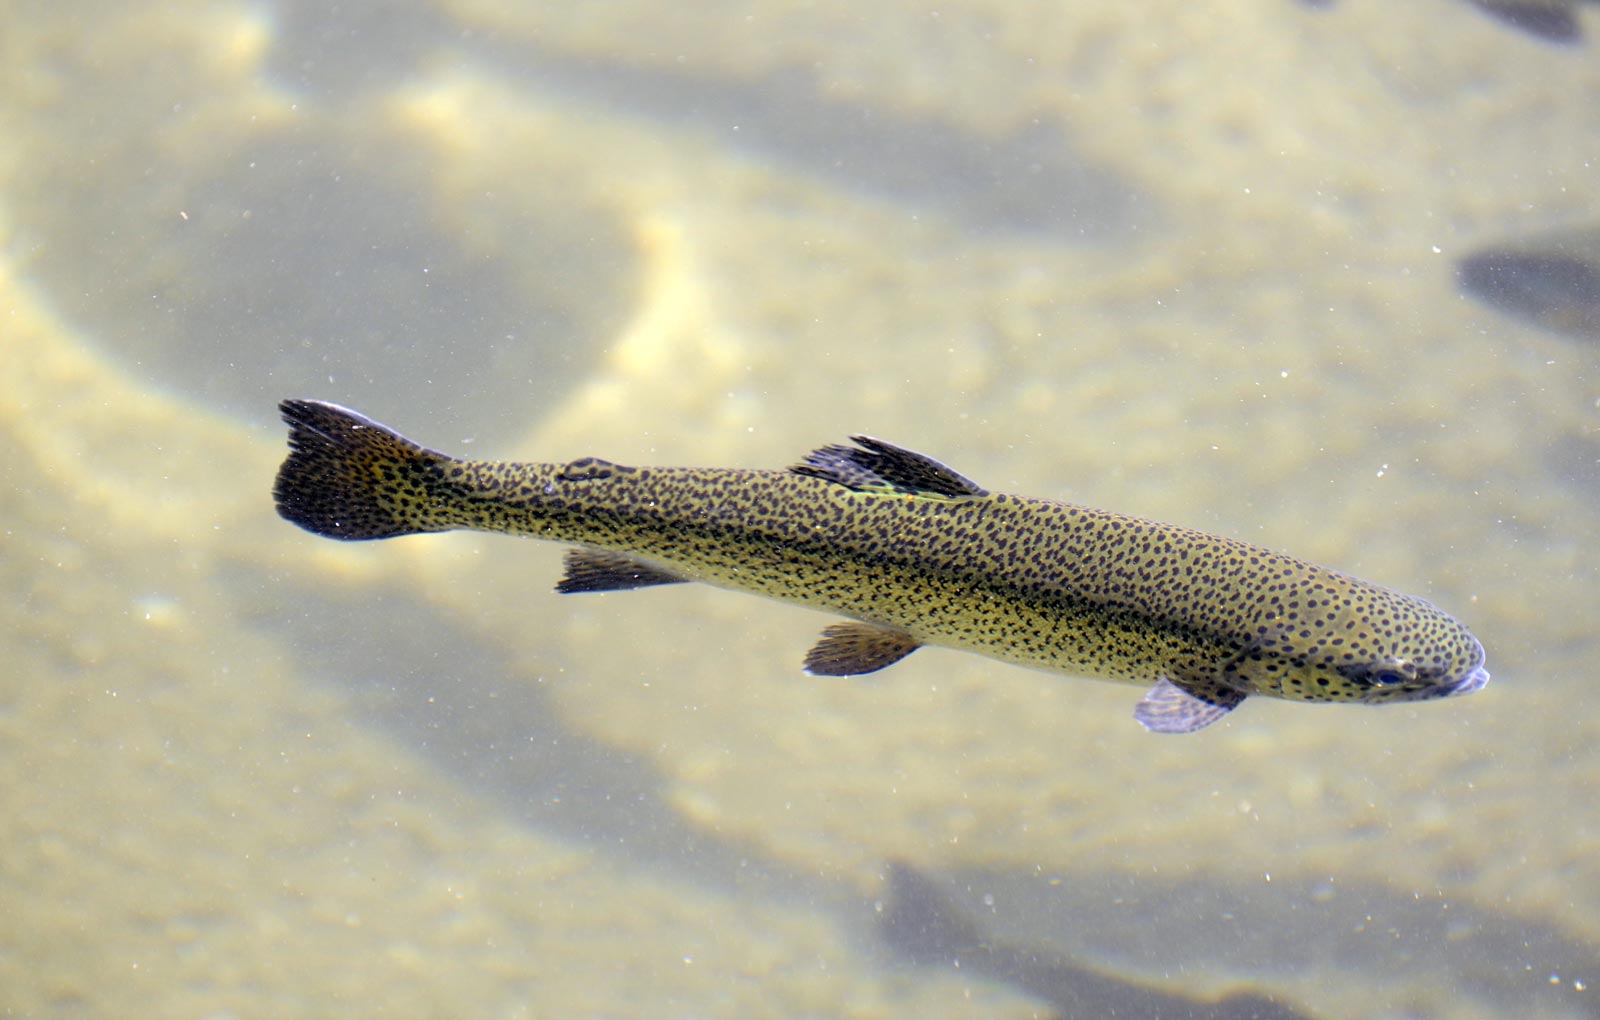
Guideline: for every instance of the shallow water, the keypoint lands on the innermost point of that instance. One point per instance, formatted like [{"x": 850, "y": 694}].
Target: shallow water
[{"x": 1186, "y": 261}]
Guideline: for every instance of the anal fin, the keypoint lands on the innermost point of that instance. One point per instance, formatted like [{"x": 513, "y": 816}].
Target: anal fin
[
  {"x": 598, "y": 570},
  {"x": 851, "y": 649},
  {"x": 1171, "y": 708}
]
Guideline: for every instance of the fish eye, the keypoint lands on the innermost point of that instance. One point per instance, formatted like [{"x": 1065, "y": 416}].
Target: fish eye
[{"x": 1383, "y": 675}]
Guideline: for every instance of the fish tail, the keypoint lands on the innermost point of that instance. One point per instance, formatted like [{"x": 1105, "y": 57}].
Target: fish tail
[{"x": 348, "y": 477}]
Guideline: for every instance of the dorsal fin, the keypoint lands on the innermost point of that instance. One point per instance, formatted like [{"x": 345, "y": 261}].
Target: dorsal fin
[{"x": 873, "y": 465}]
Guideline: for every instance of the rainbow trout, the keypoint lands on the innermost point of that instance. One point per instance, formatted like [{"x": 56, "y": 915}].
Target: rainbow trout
[{"x": 913, "y": 554}]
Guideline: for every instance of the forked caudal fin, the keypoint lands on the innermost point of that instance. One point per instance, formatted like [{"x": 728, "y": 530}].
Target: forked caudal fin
[{"x": 348, "y": 477}]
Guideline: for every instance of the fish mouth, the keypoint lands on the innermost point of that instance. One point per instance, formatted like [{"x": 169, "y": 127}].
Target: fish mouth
[
  {"x": 1473, "y": 681},
  {"x": 1428, "y": 689}
]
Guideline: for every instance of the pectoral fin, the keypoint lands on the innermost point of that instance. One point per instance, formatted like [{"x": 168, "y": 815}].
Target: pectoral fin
[
  {"x": 1171, "y": 708},
  {"x": 594, "y": 570},
  {"x": 850, "y": 649}
]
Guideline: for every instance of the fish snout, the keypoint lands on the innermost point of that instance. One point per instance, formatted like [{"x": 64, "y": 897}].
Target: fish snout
[
  {"x": 1473, "y": 681},
  {"x": 1474, "y": 678}
]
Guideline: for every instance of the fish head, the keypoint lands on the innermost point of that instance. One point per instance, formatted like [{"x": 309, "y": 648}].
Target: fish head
[
  {"x": 1405, "y": 679},
  {"x": 1373, "y": 651}
]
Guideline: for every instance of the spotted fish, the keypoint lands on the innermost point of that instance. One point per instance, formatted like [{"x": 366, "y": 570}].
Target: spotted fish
[{"x": 913, "y": 553}]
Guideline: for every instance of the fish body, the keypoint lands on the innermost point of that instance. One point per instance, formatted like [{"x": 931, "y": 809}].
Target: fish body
[{"x": 913, "y": 553}]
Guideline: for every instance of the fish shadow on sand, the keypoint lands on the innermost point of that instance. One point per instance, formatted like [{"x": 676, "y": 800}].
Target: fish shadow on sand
[
  {"x": 488, "y": 724},
  {"x": 1551, "y": 281},
  {"x": 1384, "y": 949},
  {"x": 1032, "y": 180},
  {"x": 924, "y": 927},
  {"x": 1551, "y": 21}
]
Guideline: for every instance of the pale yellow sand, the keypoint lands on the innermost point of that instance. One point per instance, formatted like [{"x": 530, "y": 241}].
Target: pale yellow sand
[{"x": 196, "y": 825}]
